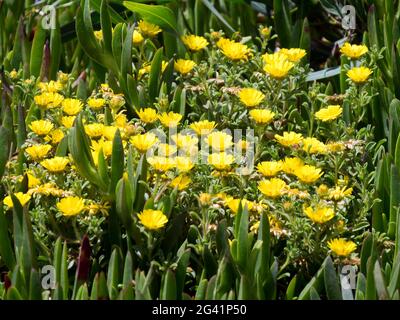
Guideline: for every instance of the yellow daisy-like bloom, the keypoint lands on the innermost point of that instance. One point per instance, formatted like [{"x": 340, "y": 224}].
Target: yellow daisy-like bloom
[
  {"x": 322, "y": 190},
  {"x": 153, "y": 219},
  {"x": 120, "y": 120},
  {"x": 170, "y": 120},
  {"x": 143, "y": 142},
  {"x": 32, "y": 181},
  {"x": 99, "y": 35},
  {"x": 272, "y": 58},
  {"x": 49, "y": 100},
  {"x": 293, "y": 54},
  {"x": 251, "y": 97},
  {"x": 219, "y": 140},
  {"x": 233, "y": 204},
  {"x": 148, "y": 115},
  {"x": 144, "y": 70},
  {"x": 71, "y": 206},
  {"x": 148, "y": 29},
  {"x": 52, "y": 86},
  {"x": 203, "y": 127},
  {"x": 339, "y": 193},
  {"x": 116, "y": 102},
  {"x": 335, "y": 146},
  {"x": 72, "y": 106},
  {"x": 289, "y": 139},
  {"x": 313, "y": 145},
  {"x": 261, "y": 116},
  {"x": 221, "y": 161},
  {"x": 47, "y": 189},
  {"x": 319, "y": 215},
  {"x": 161, "y": 164},
  {"x": 184, "y": 164},
  {"x": 273, "y": 188},
  {"x": 56, "y": 136},
  {"x": 291, "y": 165},
  {"x": 342, "y": 247},
  {"x": 205, "y": 199},
  {"x": 41, "y": 127},
  {"x": 56, "y": 164},
  {"x": 194, "y": 43},
  {"x": 105, "y": 145},
  {"x": 359, "y": 75},
  {"x": 308, "y": 174},
  {"x": 68, "y": 121},
  {"x": 23, "y": 198},
  {"x": 137, "y": 38},
  {"x": 354, "y": 51},
  {"x": 109, "y": 132},
  {"x": 184, "y": 66},
  {"x": 167, "y": 150},
  {"x": 235, "y": 51},
  {"x": 329, "y": 113},
  {"x": 279, "y": 69},
  {"x": 94, "y": 130},
  {"x": 269, "y": 168},
  {"x": 184, "y": 141},
  {"x": 181, "y": 182},
  {"x": 38, "y": 151},
  {"x": 96, "y": 103}
]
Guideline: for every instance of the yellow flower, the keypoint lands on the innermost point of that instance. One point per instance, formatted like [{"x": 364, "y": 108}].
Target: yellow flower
[
  {"x": 342, "y": 247},
  {"x": 261, "y": 116},
  {"x": 273, "y": 58},
  {"x": 293, "y": 54},
  {"x": 319, "y": 215},
  {"x": 22, "y": 197},
  {"x": 153, "y": 219},
  {"x": 184, "y": 66},
  {"x": 269, "y": 168},
  {"x": 99, "y": 35},
  {"x": 41, "y": 127},
  {"x": 161, "y": 164},
  {"x": 56, "y": 136},
  {"x": 235, "y": 51},
  {"x": 148, "y": 29},
  {"x": 359, "y": 74},
  {"x": 203, "y": 127},
  {"x": 96, "y": 104},
  {"x": 184, "y": 164},
  {"x": 329, "y": 113},
  {"x": 313, "y": 145},
  {"x": 291, "y": 165},
  {"x": 335, "y": 146},
  {"x": 142, "y": 71},
  {"x": 251, "y": 97},
  {"x": 38, "y": 151},
  {"x": 205, "y": 199},
  {"x": 194, "y": 43},
  {"x": 117, "y": 101},
  {"x": 184, "y": 141},
  {"x": 233, "y": 204},
  {"x": 71, "y": 206},
  {"x": 181, "y": 182},
  {"x": 68, "y": 121},
  {"x": 94, "y": 130},
  {"x": 289, "y": 139},
  {"x": 49, "y": 100},
  {"x": 221, "y": 161},
  {"x": 322, "y": 190},
  {"x": 166, "y": 150},
  {"x": 339, "y": 193},
  {"x": 279, "y": 69},
  {"x": 265, "y": 32},
  {"x": 56, "y": 164},
  {"x": 353, "y": 51},
  {"x": 144, "y": 142},
  {"x": 105, "y": 145},
  {"x": 47, "y": 189},
  {"x": 137, "y": 38},
  {"x": 121, "y": 120},
  {"x": 72, "y": 106},
  {"x": 219, "y": 140},
  {"x": 308, "y": 174},
  {"x": 148, "y": 115},
  {"x": 109, "y": 132},
  {"x": 273, "y": 188},
  {"x": 52, "y": 86},
  {"x": 13, "y": 74},
  {"x": 170, "y": 119}
]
